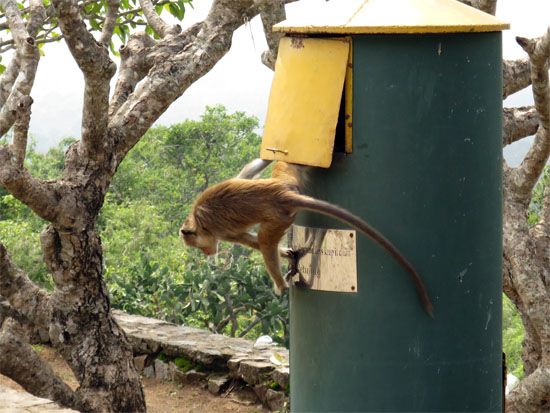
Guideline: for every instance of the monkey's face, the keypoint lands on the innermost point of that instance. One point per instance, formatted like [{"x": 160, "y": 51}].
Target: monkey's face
[{"x": 197, "y": 237}]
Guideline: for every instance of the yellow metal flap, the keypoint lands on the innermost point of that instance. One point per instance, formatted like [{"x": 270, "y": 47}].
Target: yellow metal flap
[{"x": 305, "y": 100}]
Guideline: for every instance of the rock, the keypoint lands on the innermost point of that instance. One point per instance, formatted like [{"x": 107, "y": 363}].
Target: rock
[
  {"x": 161, "y": 370},
  {"x": 254, "y": 372},
  {"x": 149, "y": 372},
  {"x": 191, "y": 376},
  {"x": 263, "y": 341},
  {"x": 215, "y": 352},
  {"x": 245, "y": 395},
  {"x": 140, "y": 362},
  {"x": 275, "y": 400},
  {"x": 217, "y": 383},
  {"x": 281, "y": 376},
  {"x": 165, "y": 371},
  {"x": 261, "y": 391},
  {"x": 16, "y": 401}
]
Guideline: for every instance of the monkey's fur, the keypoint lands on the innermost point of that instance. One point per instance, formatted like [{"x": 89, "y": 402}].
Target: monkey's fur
[{"x": 228, "y": 210}]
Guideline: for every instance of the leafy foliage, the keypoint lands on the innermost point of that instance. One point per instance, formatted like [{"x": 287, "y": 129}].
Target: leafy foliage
[
  {"x": 148, "y": 270},
  {"x": 22, "y": 240},
  {"x": 129, "y": 17},
  {"x": 535, "y": 207},
  {"x": 48, "y": 165},
  {"x": 512, "y": 337}
]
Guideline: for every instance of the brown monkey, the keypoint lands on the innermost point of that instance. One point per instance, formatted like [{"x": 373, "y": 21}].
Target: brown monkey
[{"x": 227, "y": 211}]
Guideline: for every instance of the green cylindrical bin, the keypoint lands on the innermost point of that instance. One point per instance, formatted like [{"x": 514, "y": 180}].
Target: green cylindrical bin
[{"x": 426, "y": 171}]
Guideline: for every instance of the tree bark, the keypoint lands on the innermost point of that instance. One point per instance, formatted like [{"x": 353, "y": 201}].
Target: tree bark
[
  {"x": 526, "y": 250},
  {"x": 82, "y": 328}
]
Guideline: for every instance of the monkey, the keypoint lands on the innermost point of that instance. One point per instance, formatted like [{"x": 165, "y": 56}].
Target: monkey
[{"x": 228, "y": 210}]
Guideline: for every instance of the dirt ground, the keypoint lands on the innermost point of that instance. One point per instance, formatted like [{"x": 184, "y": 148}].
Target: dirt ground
[{"x": 163, "y": 396}]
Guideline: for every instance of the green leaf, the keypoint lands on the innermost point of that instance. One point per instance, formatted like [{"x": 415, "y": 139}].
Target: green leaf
[
  {"x": 95, "y": 24},
  {"x": 113, "y": 49},
  {"x": 175, "y": 10}
]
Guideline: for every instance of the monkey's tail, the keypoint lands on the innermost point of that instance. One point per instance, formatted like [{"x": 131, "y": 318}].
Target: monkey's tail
[
  {"x": 253, "y": 169},
  {"x": 341, "y": 214}
]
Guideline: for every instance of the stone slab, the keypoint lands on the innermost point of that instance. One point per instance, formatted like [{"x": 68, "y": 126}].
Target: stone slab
[
  {"x": 238, "y": 356},
  {"x": 13, "y": 401}
]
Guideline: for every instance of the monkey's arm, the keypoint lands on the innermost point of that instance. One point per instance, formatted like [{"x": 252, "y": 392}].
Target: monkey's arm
[{"x": 250, "y": 240}]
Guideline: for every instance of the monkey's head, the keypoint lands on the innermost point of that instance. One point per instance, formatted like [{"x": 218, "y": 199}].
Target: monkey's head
[{"x": 197, "y": 236}]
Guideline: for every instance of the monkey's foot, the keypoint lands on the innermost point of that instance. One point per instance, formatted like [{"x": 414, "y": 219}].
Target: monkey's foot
[
  {"x": 278, "y": 290},
  {"x": 294, "y": 257},
  {"x": 287, "y": 253}
]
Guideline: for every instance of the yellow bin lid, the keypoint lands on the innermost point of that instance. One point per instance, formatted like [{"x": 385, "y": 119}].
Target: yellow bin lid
[{"x": 393, "y": 16}]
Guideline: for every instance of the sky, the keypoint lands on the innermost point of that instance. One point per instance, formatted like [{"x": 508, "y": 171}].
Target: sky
[{"x": 239, "y": 81}]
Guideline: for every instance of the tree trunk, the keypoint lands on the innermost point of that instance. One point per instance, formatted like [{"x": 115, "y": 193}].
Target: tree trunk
[{"x": 82, "y": 327}]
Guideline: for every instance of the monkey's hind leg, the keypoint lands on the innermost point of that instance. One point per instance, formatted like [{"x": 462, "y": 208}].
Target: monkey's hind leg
[{"x": 269, "y": 236}]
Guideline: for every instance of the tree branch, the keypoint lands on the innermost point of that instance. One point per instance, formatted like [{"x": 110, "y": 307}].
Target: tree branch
[
  {"x": 16, "y": 23},
  {"x": 93, "y": 59},
  {"x": 516, "y": 76},
  {"x": 541, "y": 235},
  {"x": 21, "y": 363},
  {"x": 526, "y": 396},
  {"x": 36, "y": 18},
  {"x": 249, "y": 327},
  {"x": 139, "y": 56},
  {"x": 22, "y": 294},
  {"x": 21, "y": 129},
  {"x": 110, "y": 22},
  {"x": 27, "y": 57},
  {"x": 37, "y": 15},
  {"x": 8, "y": 79},
  {"x": 176, "y": 68},
  {"x": 488, "y": 6},
  {"x": 46, "y": 198},
  {"x": 88, "y": 54},
  {"x": 526, "y": 175},
  {"x": 519, "y": 123},
  {"x": 524, "y": 274},
  {"x": 272, "y": 14},
  {"x": 135, "y": 63},
  {"x": 160, "y": 27}
]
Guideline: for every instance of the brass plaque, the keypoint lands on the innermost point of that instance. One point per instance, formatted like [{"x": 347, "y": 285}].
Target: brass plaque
[{"x": 330, "y": 260}]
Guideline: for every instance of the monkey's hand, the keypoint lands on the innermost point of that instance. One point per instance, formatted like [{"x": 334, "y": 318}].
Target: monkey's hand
[{"x": 294, "y": 257}]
